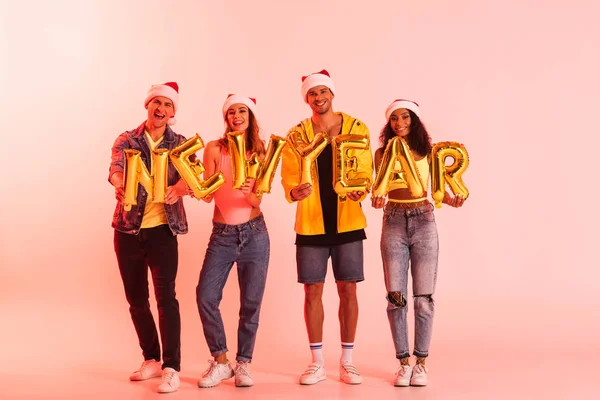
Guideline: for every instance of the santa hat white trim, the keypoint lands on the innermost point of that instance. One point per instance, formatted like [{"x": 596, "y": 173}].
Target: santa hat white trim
[
  {"x": 238, "y": 99},
  {"x": 169, "y": 90},
  {"x": 401, "y": 103},
  {"x": 316, "y": 79}
]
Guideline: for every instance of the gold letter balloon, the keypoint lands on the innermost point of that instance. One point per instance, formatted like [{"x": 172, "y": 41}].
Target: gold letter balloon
[
  {"x": 154, "y": 183},
  {"x": 191, "y": 171},
  {"x": 268, "y": 166},
  {"x": 389, "y": 177},
  {"x": 307, "y": 153},
  {"x": 450, "y": 174},
  {"x": 240, "y": 168},
  {"x": 346, "y": 178}
]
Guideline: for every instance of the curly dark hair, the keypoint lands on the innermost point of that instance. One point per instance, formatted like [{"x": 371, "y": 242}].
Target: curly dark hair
[
  {"x": 418, "y": 139},
  {"x": 253, "y": 141}
]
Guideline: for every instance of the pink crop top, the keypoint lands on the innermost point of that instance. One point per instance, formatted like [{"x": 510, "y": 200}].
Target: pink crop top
[{"x": 231, "y": 202}]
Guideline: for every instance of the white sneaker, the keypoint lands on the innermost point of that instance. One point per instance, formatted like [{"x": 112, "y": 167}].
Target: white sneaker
[
  {"x": 170, "y": 381},
  {"x": 242, "y": 375},
  {"x": 148, "y": 369},
  {"x": 349, "y": 374},
  {"x": 403, "y": 375},
  {"x": 315, "y": 373},
  {"x": 419, "y": 376},
  {"x": 215, "y": 374}
]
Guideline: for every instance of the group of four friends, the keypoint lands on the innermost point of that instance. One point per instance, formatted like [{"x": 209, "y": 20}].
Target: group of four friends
[{"x": 327, "y": 226}]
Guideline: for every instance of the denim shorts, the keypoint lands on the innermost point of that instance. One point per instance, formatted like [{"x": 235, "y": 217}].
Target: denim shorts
[{"x": 346, "y": 260}]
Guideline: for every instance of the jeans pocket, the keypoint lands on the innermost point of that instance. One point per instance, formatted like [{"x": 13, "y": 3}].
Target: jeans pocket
[{"x": 218, "y": 230}]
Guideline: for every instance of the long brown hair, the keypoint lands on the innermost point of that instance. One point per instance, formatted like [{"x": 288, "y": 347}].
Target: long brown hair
[
  {"x": 418, "y": 139},
  {"x": 253, "y": 141}
]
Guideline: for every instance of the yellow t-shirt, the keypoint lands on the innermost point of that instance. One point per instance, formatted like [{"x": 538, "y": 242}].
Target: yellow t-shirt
[{"x": 154, "y": 213}]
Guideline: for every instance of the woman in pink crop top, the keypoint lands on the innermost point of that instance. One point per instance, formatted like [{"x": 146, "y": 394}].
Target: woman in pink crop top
[
  {"x": 239, "y": 236},
  {"x": 408, "y": 234}
]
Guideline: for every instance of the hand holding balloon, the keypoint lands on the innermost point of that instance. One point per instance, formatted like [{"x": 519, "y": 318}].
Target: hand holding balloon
[
  {"x": 355, "y": 196},
  {"x": 378, "y": 201},
  {"x": 248, "y": 186},
  {"x": 301, "y": 191},
  {"x": 454, "y": 201},
  {"x": 175, "y": 192}
]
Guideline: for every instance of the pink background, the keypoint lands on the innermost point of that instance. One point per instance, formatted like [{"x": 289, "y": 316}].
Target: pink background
[{"x": 517, "y": 83}]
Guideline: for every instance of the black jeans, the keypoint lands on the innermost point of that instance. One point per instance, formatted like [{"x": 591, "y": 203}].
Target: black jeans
[{"x": 155, "y": 248}]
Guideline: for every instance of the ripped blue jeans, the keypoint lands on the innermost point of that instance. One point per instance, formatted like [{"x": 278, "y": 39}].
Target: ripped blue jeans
[{"x": 409, "y": 237}]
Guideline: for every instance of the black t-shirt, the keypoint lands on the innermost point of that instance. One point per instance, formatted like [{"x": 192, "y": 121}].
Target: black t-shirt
[{"x": 329, "y": 205}]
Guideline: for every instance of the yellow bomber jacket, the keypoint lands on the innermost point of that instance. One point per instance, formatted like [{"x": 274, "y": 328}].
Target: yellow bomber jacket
[{"x": 309, "y": 215}]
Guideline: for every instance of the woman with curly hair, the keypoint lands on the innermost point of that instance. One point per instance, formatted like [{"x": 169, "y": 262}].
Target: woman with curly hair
[{"x": 409, "y": 237}]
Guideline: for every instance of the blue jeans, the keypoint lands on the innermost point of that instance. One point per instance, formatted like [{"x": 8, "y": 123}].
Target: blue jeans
[
  {"x": 247, "y": 245},
  {"x": 410, "y": 235}
]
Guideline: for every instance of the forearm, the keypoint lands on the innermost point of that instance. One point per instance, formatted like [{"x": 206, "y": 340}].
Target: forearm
[
  {"x": 116, "y": 179},
  {"x": 181, "y": 185}
]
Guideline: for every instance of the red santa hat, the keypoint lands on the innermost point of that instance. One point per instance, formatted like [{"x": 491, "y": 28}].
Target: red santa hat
[
  {"x": 316, "y": 79},
  {"x": 169, "y": 90},
  {"x": 401, "y": 103},
  {"x": 238, "y": 99}
]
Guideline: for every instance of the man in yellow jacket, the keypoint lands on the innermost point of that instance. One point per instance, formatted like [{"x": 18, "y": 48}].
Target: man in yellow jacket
[{"x": 327, "y": 225}]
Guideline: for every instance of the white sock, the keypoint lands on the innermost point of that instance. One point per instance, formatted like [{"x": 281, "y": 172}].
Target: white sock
[
  {"x": 317, "y": 353},
  {"x": 346, "y": 353}
]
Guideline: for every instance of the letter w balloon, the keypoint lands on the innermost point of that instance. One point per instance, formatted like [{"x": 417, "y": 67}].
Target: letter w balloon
[
  {"x": 191, "y": 171},
  {"x": 251, "y": 167},
  {"x": 346, "y": 178},
  {"x": 136, "y": 172},
  {"x": 450, "y": 174}
]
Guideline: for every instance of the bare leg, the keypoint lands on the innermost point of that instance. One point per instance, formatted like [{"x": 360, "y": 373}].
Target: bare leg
[
  {"x": 348, "y": 312},
  {"x": 313, "y": 311}
]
